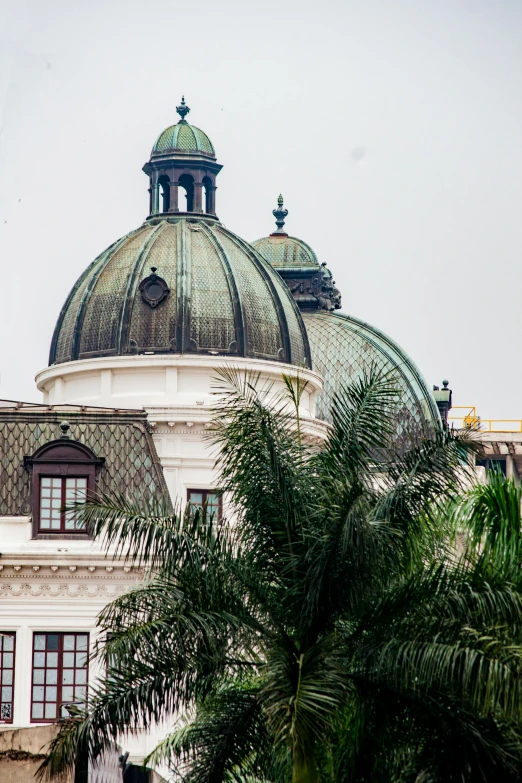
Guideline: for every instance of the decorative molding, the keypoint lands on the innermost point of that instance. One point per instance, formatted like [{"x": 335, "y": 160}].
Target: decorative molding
[
  {"x": 34, "y": 572},
  {"x": 24, "y": 589}
]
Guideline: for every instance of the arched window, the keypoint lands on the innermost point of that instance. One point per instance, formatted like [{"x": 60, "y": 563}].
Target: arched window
[
  {"x": 186, "y": 183},
  {"x": 164, "y": 185},
  {"x": 207, "y": 194},
  {"x": 63, "y": 473}
]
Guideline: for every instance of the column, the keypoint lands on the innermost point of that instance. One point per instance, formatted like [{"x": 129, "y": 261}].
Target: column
[
  {"x": 174, "y": 197},
  {"x": 155, "y": 199},
  {"x": 198, "y": 187},
  {"x": 212, "y": 199}
]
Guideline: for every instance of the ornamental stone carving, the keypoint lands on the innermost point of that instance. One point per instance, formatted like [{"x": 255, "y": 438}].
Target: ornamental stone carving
[{"x": 313, "y": 289}]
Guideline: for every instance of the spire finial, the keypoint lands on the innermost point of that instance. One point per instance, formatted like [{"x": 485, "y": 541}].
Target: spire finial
[
  {"x": 280, "y": 214},
  {"x": 182, "y": 109}
]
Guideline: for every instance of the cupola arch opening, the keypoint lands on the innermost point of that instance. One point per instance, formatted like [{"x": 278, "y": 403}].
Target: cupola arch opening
[
  {"x": 164, "y": 195},
  {"x": 186, "y": 196}
]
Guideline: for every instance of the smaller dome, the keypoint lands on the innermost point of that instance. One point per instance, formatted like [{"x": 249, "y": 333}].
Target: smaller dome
[
  {"x": 182, "y": 138},
  {"x": 281, "y": 250}
]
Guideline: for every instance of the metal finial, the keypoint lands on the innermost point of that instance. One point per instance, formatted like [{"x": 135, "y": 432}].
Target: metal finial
[
  {"x": 65, "y": 427},
  {"x": 154, "y": 269},
  {"x": 182, "y": 109},
  {"x": 445, "y": 384},
  {"x": 280, "y": 215}
]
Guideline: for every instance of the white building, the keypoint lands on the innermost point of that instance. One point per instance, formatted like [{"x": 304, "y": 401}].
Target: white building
[{"x": 127, "y": 397}]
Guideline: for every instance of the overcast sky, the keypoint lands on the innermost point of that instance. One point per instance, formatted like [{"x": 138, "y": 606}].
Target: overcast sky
[{"x": 392, "y": 128}]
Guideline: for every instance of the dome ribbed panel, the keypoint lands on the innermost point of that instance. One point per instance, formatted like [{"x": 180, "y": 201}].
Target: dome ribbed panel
[
  {"x": 203, "y": 141},
  {"x": 100, "y": 325},
  {"x": 154, "y": 328},
  {"x": 294, "y": 322},
  {"x": 212, "y": 324},
  {"x": 262, "y": 323},
  {"x": 65, "y": 338},
  {"x": 186, "y": 138},
  {"x": 343, "y": 348},
  {"x": 286, "y": 252},
  {"x": 166, "y": 140}
]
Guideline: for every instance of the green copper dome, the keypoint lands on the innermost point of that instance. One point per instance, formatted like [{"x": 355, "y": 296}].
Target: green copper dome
[
  {"x": 281, "y": 251},
  {"x": 343, "y": 348},
  {"x": 209, "y": 292},
  {"x": 183, "y": 138}
]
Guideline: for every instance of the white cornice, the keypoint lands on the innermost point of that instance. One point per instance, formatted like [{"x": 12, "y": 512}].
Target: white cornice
[{"x": 192, "y": 362}]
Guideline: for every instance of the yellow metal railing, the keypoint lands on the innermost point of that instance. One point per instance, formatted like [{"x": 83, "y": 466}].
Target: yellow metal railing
[{"x": 470, "y": 421}]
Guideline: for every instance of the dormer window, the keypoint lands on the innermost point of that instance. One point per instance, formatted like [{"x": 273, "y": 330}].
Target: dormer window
[
  {"x": 63, "y": 473},
  {"x": 56, "y": 493}
]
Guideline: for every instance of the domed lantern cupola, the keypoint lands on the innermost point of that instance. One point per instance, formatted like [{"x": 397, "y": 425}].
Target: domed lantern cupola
[
  {"x": 182, "y": 171},
  {"x": 309, "y": 281}
]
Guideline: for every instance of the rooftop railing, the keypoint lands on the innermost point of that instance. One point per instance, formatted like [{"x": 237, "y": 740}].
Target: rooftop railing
[{"x": 470, "y": 421}]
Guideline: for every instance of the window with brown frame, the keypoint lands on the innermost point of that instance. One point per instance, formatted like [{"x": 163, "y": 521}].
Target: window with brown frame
[
  {"x": 60, "y": 674},
  {"x": 63, "y": 473},
  {"x": 206, "y": 501},
  {"x": 7, "y": 671},
  {"x": 56, "y": 494}
]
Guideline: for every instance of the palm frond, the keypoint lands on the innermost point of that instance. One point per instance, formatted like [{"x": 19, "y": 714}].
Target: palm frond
[{"x": 225, "y": 739}]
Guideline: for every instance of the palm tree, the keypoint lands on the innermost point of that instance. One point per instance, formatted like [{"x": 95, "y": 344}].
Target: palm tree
[{"x": 332, "y": 631}]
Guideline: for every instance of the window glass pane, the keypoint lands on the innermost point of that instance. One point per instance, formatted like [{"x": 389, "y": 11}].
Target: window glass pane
[
  {"x": 50, "y": 710},
  {"x": 51, "y": 693},
  {"x": 46, "y": 482},
  {"x": 39, "y": 641},
  {"x": 68, "y": 676},
  {"x": 52, "y": 641},
  {"x": 8, "y": 660},
  {"x": 81, "y": 676},
  {"x": 52, "y": 677},
  {"x": 81, "y": 659},
  {"x": 79, "y": 694},
  {"x": 196, "y": 498},
  {"x": 39, "y": 676},
  {"x": 67, "y": 693},
  {"x": 81, "y": 641},
  {"x": 7, "y": 677},
  {"x": 7, "y": 693},
  {"x": 52, "y": 660},
  {"x": 37, "y": 711},
  {"x": 68, "y": 641},
  {"x": 6, "y": 711},
  {"x": 38, "y": 693},
  {"x": 39, "y": 659},
  {"x": 68, "y": 660}
]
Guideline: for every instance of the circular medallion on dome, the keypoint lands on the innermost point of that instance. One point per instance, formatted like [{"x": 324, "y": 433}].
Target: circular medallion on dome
[{"x": 154, "y": 289}]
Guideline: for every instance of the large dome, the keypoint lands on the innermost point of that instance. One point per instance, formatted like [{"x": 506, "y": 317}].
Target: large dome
[
  {"x": 212, "y": 294},
  {"x": 343, "y": 348}
]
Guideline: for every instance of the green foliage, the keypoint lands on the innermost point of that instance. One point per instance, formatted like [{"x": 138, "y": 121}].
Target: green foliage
[{"x": 333, "y": 627}]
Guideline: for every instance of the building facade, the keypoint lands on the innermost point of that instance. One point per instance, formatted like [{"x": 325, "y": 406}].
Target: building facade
[{"x": 127, "y": 401}]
